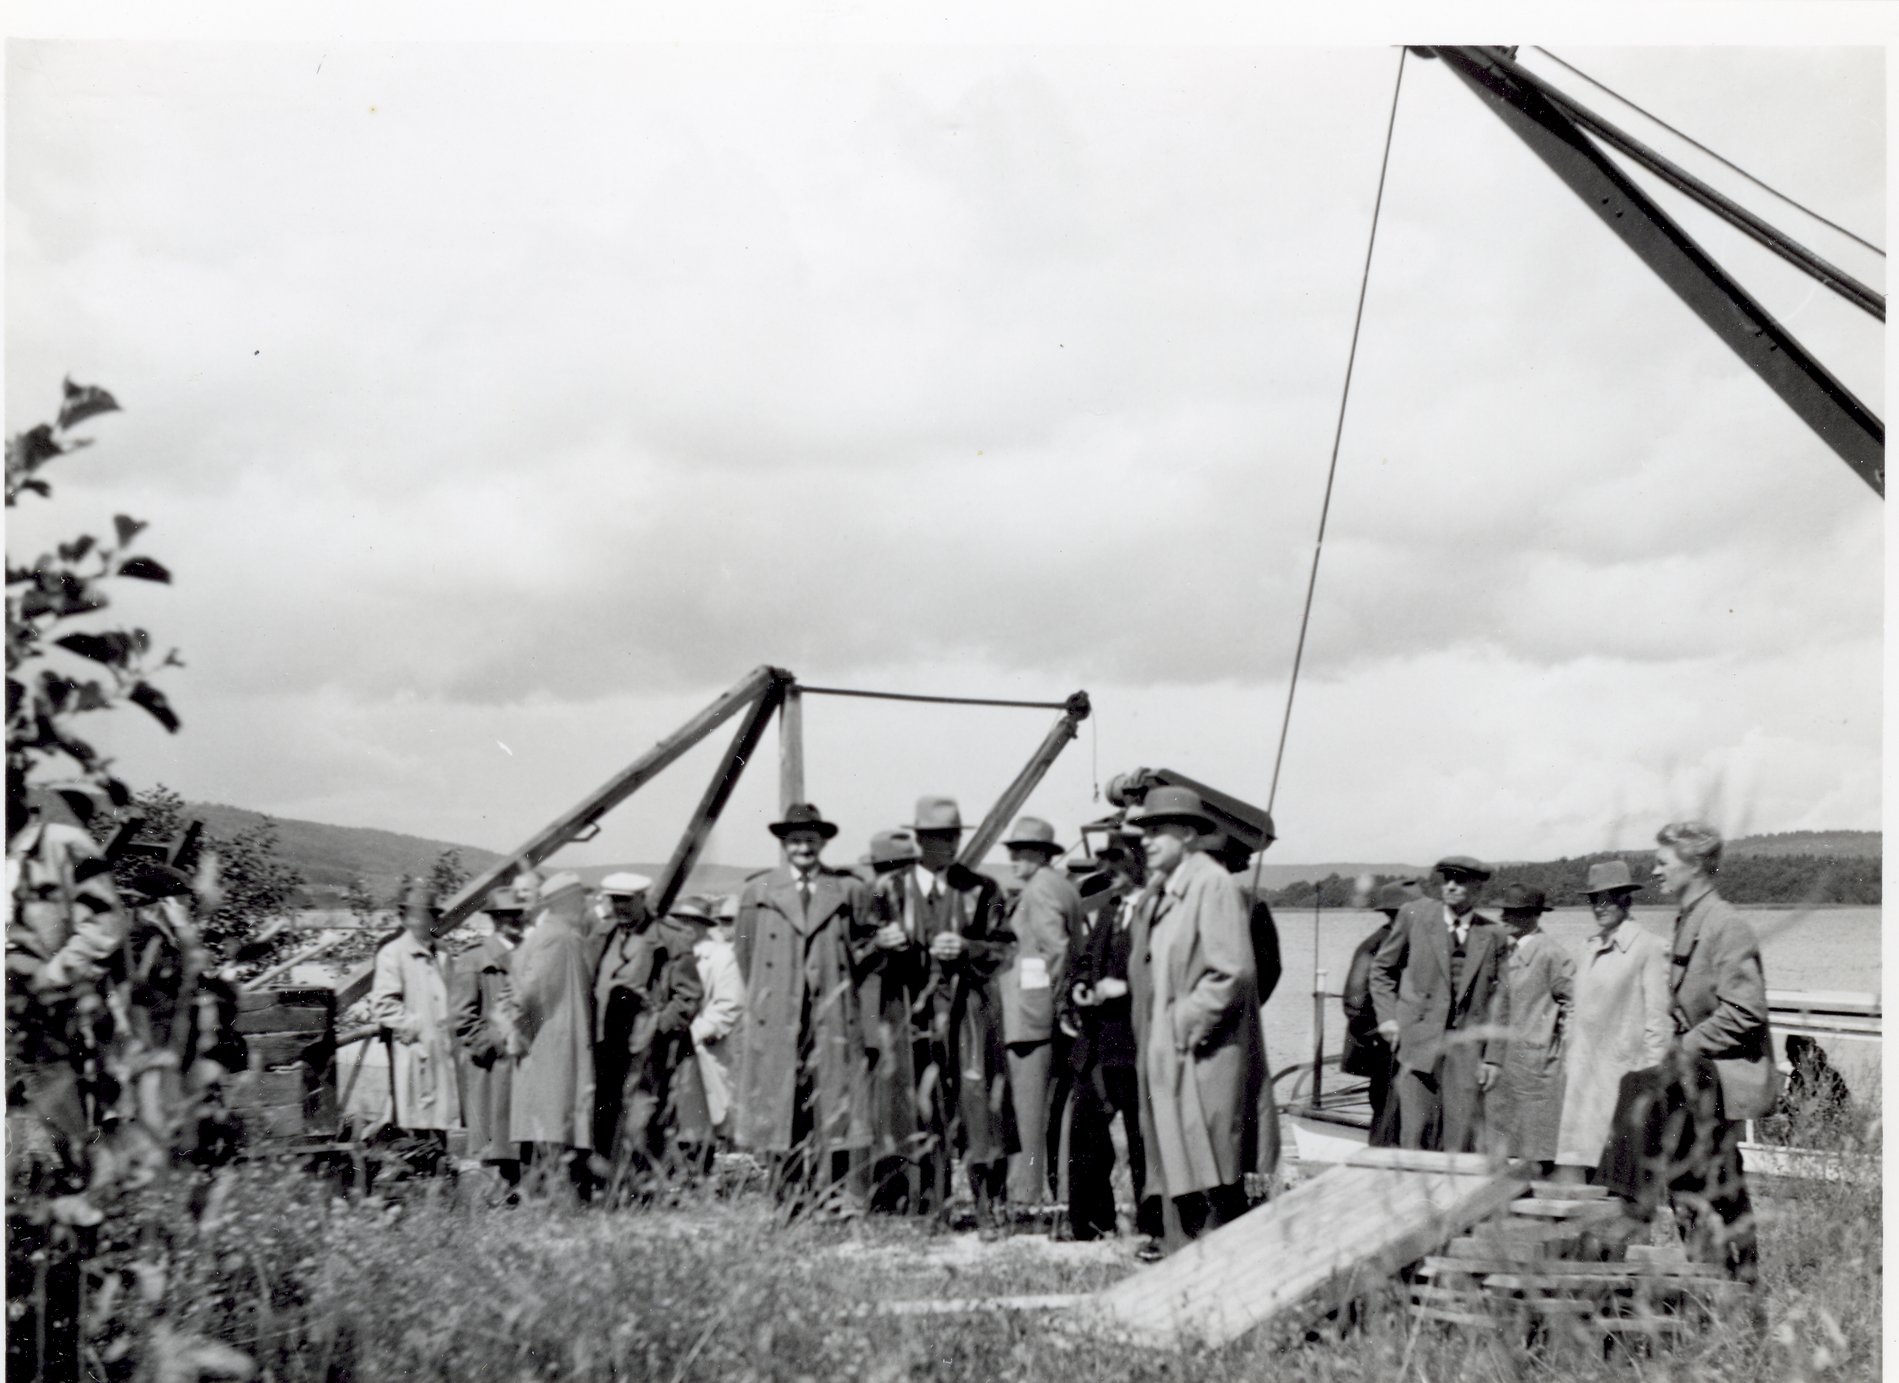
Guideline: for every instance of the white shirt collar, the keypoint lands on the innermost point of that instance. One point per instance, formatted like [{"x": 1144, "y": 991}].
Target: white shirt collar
[{"x": 927, "y": 881}]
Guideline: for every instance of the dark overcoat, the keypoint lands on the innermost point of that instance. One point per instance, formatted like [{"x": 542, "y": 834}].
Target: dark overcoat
[
  {"x": 803, "y": 1024},
  {"x": 1411, "y": 983},
  {"x": 1720, "y": 1004},
  {"x": 483, "y": 991},
  {"x": 950, "y": 1011}
]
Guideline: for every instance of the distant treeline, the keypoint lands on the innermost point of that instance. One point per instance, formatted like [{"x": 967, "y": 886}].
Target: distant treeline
[{"x": 1786, "y": 880}]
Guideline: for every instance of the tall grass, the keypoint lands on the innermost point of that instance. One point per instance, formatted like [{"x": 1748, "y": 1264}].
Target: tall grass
[{"x": 445, "y": 1284}]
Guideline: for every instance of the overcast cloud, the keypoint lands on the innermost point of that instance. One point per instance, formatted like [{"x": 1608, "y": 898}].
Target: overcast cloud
[{"x": 497, "y": 406}]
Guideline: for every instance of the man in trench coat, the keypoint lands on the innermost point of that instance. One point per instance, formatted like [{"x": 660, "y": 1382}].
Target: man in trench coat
[
  {"x": 409, "y": 999},
  {"x": 551, "y": 1102},
  {"x": 802, "y": 936},
  {"x": 939, "y": 1082},
  {"x": 1046, "y": 919},
  {"x": 1523, "y": 1109},
  {"x": 480, "y": 1027},
  {"x": 1433, "y": 983},
  {"x": 1201, "y": 1052}
]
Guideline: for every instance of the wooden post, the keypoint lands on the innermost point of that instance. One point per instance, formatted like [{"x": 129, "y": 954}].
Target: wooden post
[
  {"x": 791, "y": 748},
  {"x": 1018, "y": 792},
  {"x": 1318, "y": 1035},
  {"x": 718, "y": 792},
  {"x": 602, "y": 799}
]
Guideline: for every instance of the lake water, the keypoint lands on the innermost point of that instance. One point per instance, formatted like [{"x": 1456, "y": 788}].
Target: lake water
[{"x": 1830, "y": 948}]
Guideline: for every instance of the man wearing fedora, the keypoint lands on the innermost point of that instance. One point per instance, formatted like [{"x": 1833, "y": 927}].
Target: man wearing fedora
[
  {"x": 802, "y": 934},
  {"x": 1523, "y": 1108},
  {"x": 1201, "y": 1053},
  {"x": 939, "y": 1081},
  {"x": 550, "y": 1013},
  {"x": 1433, "y": 983},
  {"x": 409, "y": 1000},
  {"x": 1103, "y": 1055},
  {"x": 1046, "y": 919},
  {"x": 646, "y": 993},
  {"x": 481, "y": 1002}
]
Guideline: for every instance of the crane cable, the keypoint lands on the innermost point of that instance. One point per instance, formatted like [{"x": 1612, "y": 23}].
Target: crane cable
[
  {"x": 1338, "y": 432},
  {"x": 1725, "y": 162}
]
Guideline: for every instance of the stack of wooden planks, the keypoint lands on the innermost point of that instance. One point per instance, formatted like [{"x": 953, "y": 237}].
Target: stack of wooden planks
[
  {"x": 1560, "y": 1258},
  {"x": 1308, "y": 1251}
]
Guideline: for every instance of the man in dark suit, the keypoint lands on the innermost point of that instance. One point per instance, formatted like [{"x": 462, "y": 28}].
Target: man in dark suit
[
  {"x": 1106, "y": 1082},
  {"x": 1432, "y": 983},
  {"x": 1046, "y": 919},
  {"x": 939, "y": 1081}
]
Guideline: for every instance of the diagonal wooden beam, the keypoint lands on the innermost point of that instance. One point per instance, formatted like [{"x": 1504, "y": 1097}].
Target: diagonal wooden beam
[
  {"x": 1067, "y": 725},
  {"x": 759, "y": 684},
  {"x": 718, "y": 792}
]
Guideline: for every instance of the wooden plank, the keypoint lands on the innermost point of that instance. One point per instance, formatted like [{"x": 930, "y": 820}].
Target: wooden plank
[
  {"x": 1667, "y": 1283},
  {"x": 251, "y": 1000},
  {"x": 269, "y": 1049},
  {"x": 1328, "y": 1237},
  {"x": 1568, "y": 1191},
  {"x": 1502, "y": 1250},
  {"x": 665, "y": 891},
  {"x": 285, "y": 1018},
  {"x": 1465, "y": 1318},
  {"x": 1822, "y": 1001},
  {"x": 1563, "y": 1269},
  {"x": 791, "y": 748},
  {"x": 272, "y": 1087},
  {"x": 1415, "y": 1160},
  {"x": 957, "y": 1306},
  {"x": 1549, "y": 1208},
  {"x": 590, "y": 808}
]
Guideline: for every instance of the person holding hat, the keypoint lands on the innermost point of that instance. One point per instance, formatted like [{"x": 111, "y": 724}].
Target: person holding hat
[
  {"x": 1103, "y": 1057},
  {"x": 1619, "y": 1021},
  {"x": 551, "y": 1101},
  {"x": 1523, "y": 1109},
  {"x": 1201, "y": 1053},
  {"x": 481, "y": 1008},
  {"x": 1046, "y": 919},
  {"x": 1366, "y": 1052},
  {"x": 409, "y": 999},
  {"x": 646, "y": 994},
  {"x": 802, "y": 934},
  {"x": 939, "y": 1082},
  {"x": 1433, "y": 983}
]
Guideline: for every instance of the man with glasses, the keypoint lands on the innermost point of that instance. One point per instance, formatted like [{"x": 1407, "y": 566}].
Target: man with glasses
[{"x": 1433, "y": 982}]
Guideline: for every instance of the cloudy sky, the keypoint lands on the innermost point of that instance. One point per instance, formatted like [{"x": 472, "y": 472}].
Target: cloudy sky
[{"x": 498, "y": 405}]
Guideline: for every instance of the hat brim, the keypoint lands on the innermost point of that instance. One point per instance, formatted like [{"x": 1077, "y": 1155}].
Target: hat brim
[
  {"x": 1206, "y": 825},
  {"x": 1612, "y": 888},
  {"x": 936, "y": 830},
  {"x": 1048, "y": 846},
  {"x": 781, "y": 829}
]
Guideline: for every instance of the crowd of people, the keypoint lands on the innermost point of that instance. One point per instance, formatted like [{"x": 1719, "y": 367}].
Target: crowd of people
[
  {"x": 1633, "y": 1065},
  {"x": 861, "y": 1032}
]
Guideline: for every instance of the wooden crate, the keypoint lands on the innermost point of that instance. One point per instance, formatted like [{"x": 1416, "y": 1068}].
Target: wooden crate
[{"x": 289, "y": 1091}]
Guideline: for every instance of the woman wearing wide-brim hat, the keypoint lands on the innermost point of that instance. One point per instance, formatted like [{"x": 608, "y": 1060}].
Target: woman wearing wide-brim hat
[
  {"x": 1619, "y": 1021},
  {"x": 1523, "y": 1109}
]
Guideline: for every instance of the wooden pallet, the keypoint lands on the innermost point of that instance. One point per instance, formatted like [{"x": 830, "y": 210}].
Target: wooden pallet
[
  {"x": 288, "y": 1092},
  {"x": 1558, "y": 1259}
]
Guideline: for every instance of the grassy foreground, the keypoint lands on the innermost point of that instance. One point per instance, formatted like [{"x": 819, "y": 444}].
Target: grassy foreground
[{"x": 313, "y": 1286}]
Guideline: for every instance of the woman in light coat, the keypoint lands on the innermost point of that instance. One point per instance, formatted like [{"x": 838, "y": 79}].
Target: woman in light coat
[{"x": 1620, "y": 1020}]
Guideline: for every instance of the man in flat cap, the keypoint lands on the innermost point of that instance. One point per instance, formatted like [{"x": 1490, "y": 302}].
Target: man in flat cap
[
  {"x": 409, "y": 1000},
  {"x": 1202, "y": 1054},
  {"x": 1046, "y": 919},
  {"x": 939, "y": 1082},
  {"x": 485, "y": 988},
  {"x": 802, "y": 936},
  {"x": 1433, "y": 983},
  {"x": 551, "y": 1103},
  {"x": 646, "y": 993}
]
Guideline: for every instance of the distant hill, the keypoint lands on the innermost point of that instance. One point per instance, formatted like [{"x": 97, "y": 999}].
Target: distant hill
[
  {"x": 1869, "y": 845},
  {"x": 330, "y": 856}
]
